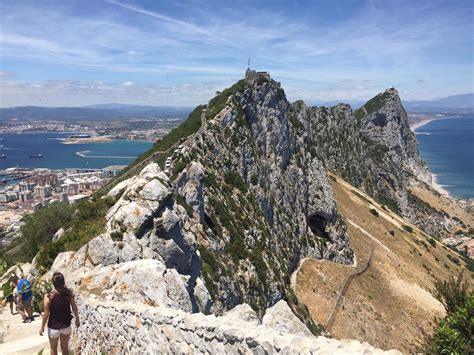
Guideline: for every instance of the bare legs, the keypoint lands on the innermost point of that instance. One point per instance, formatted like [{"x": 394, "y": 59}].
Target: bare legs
[
  {"x": 53, "y": 343},
  {"x": 63, "y": 340},
  {"x": 64, "y": 343}
]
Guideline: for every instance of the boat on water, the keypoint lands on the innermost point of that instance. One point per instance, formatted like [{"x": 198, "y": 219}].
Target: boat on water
[
  {"x": 36, "y": 155},
  {"x": 2, "y": 146},
  {"x": 2, "y": 156},
  {"x": 79, "y": 135}
]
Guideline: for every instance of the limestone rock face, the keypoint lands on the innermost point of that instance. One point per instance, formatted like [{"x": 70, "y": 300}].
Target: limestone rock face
[
  {"x": 140, "y": 282},
  {"x": 190, "y": 186},
  {"x": 374, "y": 149},
  {"x": 59, "y": 234},
  {"x": 281, "y": 318},
  {"x": 262, "y": 200},
  {"x": 148, "y": 252},
  {"x": 109, "y": 326}
]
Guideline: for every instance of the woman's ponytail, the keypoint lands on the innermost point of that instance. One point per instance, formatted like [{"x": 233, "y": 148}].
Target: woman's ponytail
[{"x": 60, "y": 285}]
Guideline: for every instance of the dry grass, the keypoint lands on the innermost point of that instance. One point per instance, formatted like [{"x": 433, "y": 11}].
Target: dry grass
[{"x": 386, "y": 305}]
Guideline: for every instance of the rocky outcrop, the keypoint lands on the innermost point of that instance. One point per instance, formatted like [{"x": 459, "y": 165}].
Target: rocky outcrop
[
  {"x": 128, "y": 328},
  {"x": 374, "y": 149},
  {"x": 148, "y": 253}
]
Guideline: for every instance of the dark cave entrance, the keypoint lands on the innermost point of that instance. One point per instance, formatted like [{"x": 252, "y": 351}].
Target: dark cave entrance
[{"x": 318, "y": 222}]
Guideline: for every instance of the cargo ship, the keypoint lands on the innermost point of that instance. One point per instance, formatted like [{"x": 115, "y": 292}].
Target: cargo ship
[{"x": 36, "y": 155}]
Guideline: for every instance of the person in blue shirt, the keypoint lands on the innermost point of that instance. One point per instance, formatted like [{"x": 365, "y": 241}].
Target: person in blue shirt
[{"x": 25, "y": 296}]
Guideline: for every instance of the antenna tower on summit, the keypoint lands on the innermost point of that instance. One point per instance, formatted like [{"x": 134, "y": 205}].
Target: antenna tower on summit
[{"x": 249, "y": 64}]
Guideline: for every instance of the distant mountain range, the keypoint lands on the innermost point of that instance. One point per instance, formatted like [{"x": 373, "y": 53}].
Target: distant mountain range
[
  {"x": 104, "y": 111},
  {"x": 455, "y": 103}
]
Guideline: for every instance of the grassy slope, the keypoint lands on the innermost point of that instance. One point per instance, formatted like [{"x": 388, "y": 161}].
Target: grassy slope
[{"x": 386, "y": 305}]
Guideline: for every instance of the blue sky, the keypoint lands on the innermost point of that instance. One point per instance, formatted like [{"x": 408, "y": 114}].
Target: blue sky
[{"x": 73, "y": 53}]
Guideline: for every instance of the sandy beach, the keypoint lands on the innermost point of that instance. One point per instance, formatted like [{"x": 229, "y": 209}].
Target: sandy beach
[
  {"x": 85, "y": 140},
  {"x": 421, "y": 123}
]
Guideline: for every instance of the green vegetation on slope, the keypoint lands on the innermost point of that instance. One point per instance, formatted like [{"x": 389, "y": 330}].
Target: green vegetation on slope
[
  {"x": 371, "y": 106},
  {"x": 218, "y": 103},
  {"x": 455, "y": 333},
  {"x": 81, "y": 223},
  {"x": 185, "y": 129}
]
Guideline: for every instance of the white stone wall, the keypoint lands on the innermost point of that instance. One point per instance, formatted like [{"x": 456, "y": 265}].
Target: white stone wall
[{"x": 127, "y": 328}]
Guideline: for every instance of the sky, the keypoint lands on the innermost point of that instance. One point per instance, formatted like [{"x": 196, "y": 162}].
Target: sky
[{"x": 75, "y": 53}]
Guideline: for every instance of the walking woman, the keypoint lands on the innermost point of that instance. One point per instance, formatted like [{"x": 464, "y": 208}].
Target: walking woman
[{"x": 57, "y": 313}]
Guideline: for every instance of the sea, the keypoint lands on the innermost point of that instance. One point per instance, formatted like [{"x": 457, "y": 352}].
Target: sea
[
  {"x": 447, "y": 146},
  {"x": 19, "y": 147}
]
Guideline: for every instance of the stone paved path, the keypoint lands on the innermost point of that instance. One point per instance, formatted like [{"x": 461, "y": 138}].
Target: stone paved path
[{"x": 21, "y": 338}]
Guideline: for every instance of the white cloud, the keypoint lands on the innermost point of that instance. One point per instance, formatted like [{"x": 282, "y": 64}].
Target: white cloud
[{"x": 79, "y": 93}]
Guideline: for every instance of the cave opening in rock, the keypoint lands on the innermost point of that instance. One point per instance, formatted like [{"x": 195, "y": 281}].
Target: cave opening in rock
[{"x": 318, "y": 222}]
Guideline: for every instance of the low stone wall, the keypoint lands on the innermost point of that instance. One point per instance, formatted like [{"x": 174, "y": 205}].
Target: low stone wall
[{"x": 115, "y": 327}]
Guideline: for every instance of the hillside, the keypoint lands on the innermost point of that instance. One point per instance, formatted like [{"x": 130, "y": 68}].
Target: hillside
[
  {"x": 95, "y": 112},
  {"x": 392, "y": 300},
  {"x": 221, "y": 212}
]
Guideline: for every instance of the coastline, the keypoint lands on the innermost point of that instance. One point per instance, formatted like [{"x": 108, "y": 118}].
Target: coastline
[
  {"x": 421, "y": 123},
  {"x": 439, "y": 188},
  {"x": 99, "y": 139}
]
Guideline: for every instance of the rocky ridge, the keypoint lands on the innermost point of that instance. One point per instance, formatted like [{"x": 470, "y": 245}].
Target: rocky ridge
[{"x": 247, "y": 199}]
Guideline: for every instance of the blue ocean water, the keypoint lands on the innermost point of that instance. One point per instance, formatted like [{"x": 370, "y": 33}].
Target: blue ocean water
[
  {"x": 19, "y": 147},
  {"x": 447, "y": 146}
]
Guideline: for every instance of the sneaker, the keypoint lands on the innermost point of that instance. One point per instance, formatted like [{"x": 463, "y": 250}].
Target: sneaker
[
  {"x": 32, "y": 318},
  {"x": 27, "y": 320}
]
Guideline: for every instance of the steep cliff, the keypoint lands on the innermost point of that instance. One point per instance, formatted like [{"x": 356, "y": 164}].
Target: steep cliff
[
  {"x": 374, "y": 149},
  {"x": 244, "y": 199}
]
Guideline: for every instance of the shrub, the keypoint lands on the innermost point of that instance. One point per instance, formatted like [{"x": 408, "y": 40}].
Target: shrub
[
  {"x": 254, "y": 179},
  {"x": 407, "y": 228},
  {"x": 452, "y": 293},
  {"x": 392, "y": 233},
  {"x": 177, "y": 168},
  {"x": 454, "y": 259},
  {"x": 182, "y": 201},
  {"x": 432, "y": 242},
  {"x": 454, "y": 333},
  {"x": 40, "y": 289},
  {"x": 374, "y": 212},
  {"x": 388, "y": 202},
  {"x": 234, "y": 179},
  {"x": 40, "y": 227},
  {"x": 116, "y": 236}
]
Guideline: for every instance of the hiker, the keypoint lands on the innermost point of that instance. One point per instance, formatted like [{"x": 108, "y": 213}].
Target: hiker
[
  {"x": 12, "y": 296},
  {"x": 57, "y": 313},
  {"x": 25, "y": 296}
]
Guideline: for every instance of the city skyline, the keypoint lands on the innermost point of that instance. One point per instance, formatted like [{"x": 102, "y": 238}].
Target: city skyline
[{"x": 149, "y": 53}]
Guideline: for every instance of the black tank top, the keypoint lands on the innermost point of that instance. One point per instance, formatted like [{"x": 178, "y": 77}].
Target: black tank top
[{"x": 59, "y": 312}]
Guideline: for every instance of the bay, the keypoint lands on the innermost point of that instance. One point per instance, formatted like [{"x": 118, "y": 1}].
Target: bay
[{"x": 19, "y": 147}]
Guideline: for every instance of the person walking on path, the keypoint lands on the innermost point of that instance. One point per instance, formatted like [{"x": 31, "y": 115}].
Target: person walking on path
[
  {"x": 9, "y": 291},
  {"x": 25, "y": 296},
  {"x": 57, "y": 313}
]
